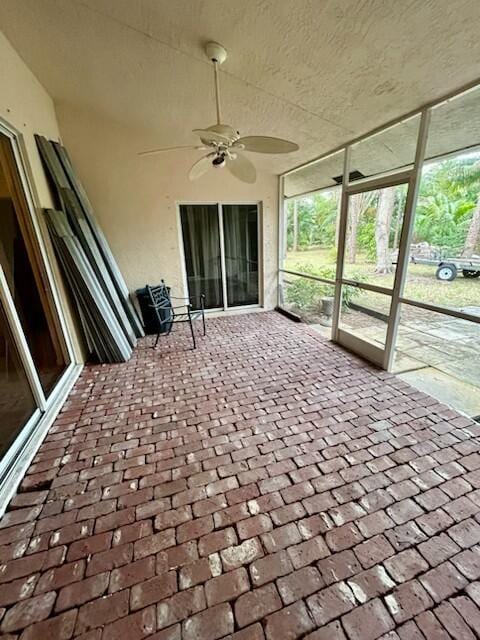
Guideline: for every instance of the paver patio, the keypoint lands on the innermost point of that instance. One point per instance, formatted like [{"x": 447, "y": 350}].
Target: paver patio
[{"x": 268, "y": 485}]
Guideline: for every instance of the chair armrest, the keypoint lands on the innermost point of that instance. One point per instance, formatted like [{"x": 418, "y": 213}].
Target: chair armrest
[
  {"x": 171, "y": 308},
  {"x": 200, "y": 297}
]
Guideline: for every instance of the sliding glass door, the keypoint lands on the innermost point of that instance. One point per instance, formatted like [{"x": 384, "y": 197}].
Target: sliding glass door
[
  {"x": 221, "y": 250},
  {"x": 201, "y": 243},
  {"x": 240, "y": 230},
  {"x": 33, "y": 353},
  {"x": 17, "y": 402}
]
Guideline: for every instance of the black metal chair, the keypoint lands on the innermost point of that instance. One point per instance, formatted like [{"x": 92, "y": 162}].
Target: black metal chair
[{"x": 167, "y": 314}]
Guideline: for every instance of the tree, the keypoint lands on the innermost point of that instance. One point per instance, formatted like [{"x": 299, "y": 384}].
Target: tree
[
  {"x": 447, "y": 216},
  {"x": 326, "y": 212},
  {"x": 440, "y": 220},
  {"x": 383, "y": 219},
  {"x": 466, "y": 174},
  {"x": 447, "y": 211},
  {"x": 295, "y": 225},
  {"x": 473, "y": 233},
  {"x": 400, "y": 201},
  {"x": 311, "y": 221},
  {"x": 358, "y": 204}
]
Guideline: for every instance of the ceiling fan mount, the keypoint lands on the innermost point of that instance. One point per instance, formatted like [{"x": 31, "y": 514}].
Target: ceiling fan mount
[
  {"x": 215, "y": 52},
  {"x": 224, "y": 140}
]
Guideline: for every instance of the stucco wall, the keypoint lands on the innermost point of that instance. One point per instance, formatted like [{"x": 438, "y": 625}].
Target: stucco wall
[
  {"x": 26, "y": 106},
  {"x": 135, "y": 198}
]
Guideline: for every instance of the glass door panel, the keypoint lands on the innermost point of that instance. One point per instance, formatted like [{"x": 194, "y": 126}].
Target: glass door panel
[
  {"x": 365, "y": 314},
  {"x": 201, "y": 243},
  {"x": 372, "y": 238},
  {"x": 240, "y": 229},
  {"x": 374, "y": 224},
  {"x": 17, "y": 403},
  {"x": 23, "y": 276}
]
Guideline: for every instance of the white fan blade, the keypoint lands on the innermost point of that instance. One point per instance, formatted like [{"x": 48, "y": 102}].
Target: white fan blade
[
  {"x": 266, "y": 144},
  {"x": 242, "y": 168},
  {"x": 200, "y": 167},
  {"x": 152, "y": 152},
  {"x": 208, "y": 136}
]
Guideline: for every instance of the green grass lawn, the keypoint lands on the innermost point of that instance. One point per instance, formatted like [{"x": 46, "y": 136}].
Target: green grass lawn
[{"x": 421, "y": 285}]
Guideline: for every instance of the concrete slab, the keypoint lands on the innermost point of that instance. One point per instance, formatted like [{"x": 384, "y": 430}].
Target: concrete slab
[
  {"x": 402, "y": 363},
  {"x": 467, "y": 369},
  {"x": 462, "y": 396},
  {"x": 326, "y": 332}
]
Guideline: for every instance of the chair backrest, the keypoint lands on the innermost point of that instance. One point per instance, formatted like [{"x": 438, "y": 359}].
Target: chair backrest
[{"x": 160, "y": 300}]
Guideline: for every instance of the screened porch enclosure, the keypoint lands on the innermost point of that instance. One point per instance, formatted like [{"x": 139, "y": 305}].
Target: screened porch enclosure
[{"x": 387, "y": 262}]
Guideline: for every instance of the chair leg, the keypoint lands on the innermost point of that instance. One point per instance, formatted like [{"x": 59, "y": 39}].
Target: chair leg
[
  {"x": 156, "y": 341},
  {"x": 203, "y": 321},
  {"x": 193, "y": 335}
]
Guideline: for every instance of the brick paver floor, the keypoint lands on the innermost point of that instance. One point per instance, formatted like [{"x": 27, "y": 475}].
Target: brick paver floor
[{"x": 267, "y": 486}]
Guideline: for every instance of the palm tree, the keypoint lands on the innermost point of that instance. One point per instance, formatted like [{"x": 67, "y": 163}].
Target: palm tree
[
  {"x": 440, "y": 220},
  {"x": 465, "y": 175},
  {"x": 326, "y": 214},
  {"x": 472, "y": 180},
  {"x": 473, "y": 233},
  {"x": 449, "y": 195}
]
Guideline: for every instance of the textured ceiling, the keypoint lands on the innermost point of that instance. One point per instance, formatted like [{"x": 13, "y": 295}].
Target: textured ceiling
[{"x": 319, "y": 72}]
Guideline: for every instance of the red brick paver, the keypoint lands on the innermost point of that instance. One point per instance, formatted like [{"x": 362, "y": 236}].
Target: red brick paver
[{"x": 267, "y": 486}]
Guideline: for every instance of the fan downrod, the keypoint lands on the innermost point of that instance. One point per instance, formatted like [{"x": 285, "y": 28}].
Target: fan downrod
[{"x": 215, "y": 52}]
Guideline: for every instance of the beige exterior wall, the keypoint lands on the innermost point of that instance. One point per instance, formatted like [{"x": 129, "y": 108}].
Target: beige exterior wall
[
  {"x": 135, "y": 198},
  {"x": 26, "y": 106}
]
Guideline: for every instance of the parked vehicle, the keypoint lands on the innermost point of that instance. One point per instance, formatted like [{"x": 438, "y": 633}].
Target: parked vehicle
[{"x": 448, "y": 268}]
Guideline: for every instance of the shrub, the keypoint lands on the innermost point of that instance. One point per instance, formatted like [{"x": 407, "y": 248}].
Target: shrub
[{"x": 306, "y": 294}]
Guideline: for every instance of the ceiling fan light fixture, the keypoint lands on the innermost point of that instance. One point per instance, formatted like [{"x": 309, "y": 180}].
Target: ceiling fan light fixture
[
  {"x": 225, "y": 140},
  {"x": 218, "y": 162}
]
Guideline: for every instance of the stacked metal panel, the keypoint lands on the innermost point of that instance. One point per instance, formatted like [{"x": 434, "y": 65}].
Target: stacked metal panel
[{"x": 109, "y": 319}]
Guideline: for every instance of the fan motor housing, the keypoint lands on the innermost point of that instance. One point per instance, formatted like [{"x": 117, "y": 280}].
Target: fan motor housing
[{"x": 224, "y": 130}]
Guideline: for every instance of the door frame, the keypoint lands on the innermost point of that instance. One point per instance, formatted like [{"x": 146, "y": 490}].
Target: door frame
[
  {"x": 33, "y": 207},
  {"x": 220, "y": 204},
  {"x": 17, "y": 459},
  {"x": 383, "y": 357}
]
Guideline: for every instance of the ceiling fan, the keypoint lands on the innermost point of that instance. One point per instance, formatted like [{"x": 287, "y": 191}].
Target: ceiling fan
[{"x": 224, "y": 140}]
